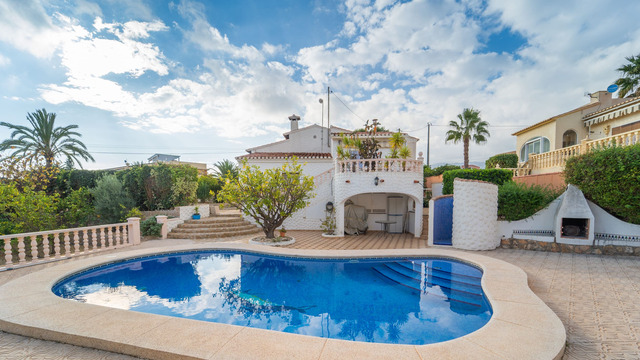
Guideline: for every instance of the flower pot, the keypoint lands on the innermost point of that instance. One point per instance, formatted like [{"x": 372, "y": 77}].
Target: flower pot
[
  {"x": 283, "y": 233},
  {"x": 195, "y": 216}
]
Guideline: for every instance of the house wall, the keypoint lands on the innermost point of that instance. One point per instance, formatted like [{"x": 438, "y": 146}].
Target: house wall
[
  {"x": 600, "y": 129},
  {"x": 309, "y": 139},
  {"x": 573, "y": 122},
  {"x": 554, "y": 180},
  {"x": 547, "y": 130}
]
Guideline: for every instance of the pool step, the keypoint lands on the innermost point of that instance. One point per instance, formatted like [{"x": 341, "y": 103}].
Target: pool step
[
  {"x": 438, "y": 275},
  {"x": 454, "y": 294},
  {"x": 473, "y": 279},
  {"x": 214, "y": 227}
]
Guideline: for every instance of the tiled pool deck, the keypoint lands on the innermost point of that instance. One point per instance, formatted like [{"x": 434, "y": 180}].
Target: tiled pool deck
[{"x": 596, "y": 297}]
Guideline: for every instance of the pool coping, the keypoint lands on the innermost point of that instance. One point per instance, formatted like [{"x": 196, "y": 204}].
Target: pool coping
[{"x": 522, "y": 325}]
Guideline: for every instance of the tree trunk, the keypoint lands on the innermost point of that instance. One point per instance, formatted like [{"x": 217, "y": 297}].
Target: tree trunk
[
  {"x": 466, "y": 152},
  {"x": 269, "y": 233}
]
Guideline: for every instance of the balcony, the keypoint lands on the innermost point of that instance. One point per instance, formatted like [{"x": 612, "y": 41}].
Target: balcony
[
  {"x": 554, "y": 161},
  {"x": 378, "y": 166}
]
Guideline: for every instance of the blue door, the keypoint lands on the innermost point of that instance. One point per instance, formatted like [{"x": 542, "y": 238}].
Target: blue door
[{"x": 442, "y": 220}]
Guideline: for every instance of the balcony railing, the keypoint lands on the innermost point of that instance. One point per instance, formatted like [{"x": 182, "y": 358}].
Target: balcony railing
[
  {"x": 558, "y": 158},
  {"x": 378, "y": 165},
  {"x": 44, "y": 246}
]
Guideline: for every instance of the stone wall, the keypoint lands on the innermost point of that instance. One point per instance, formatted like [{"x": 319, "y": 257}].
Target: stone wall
[
  {"x": 475, "y": 213},
  {"x": 524, "y": 244}
]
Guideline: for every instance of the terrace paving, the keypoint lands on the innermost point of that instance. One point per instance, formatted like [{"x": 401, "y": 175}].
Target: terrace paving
[{"x": 596, "y": 297}]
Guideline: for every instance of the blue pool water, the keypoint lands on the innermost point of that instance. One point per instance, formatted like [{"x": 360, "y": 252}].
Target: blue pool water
[{"x": 400, "y": 301}]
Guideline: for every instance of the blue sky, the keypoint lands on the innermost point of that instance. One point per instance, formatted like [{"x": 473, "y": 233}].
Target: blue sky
[{"x": 206, "y": 80}]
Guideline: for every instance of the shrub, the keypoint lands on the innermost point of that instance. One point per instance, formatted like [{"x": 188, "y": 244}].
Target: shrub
[
  {"x": 150, "y": 227},
  {"x": 111, "y": 201},
  {"x": 76, "y": 209},
  {"x": 509, "y": 160},
  {"x": 439, "y": 170},
  {"x": 208, "y": 187},
  {"x": 609, "y": 177},
  {"x": 183, "y": 192},
  {"x": 519, "y": 201},
  {"x": 134, "y": 212},
  {"x": 70, "y": 180},
  {"x": 26, "y": 210},
  {"x": 496, "y": 176}
]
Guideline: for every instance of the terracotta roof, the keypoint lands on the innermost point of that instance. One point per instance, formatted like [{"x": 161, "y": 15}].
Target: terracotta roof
[
  {"x": 620, "y": 104},
  {"x": 284, "y": 155},
  {"x": 554, "y": 118}
]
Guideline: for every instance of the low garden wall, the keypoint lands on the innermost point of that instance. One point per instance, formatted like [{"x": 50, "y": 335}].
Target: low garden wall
[{"x": 524, "y": 244}]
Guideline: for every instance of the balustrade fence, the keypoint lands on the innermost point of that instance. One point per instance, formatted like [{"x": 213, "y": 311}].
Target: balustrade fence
[
  {"x": 558, "y": 158},
  {"x": 44, "y": 246},
  {"x": 378, "y": 165}
]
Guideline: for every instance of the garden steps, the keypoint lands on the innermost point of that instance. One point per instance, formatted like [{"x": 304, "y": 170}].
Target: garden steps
[{"x": 227, "y": 225}]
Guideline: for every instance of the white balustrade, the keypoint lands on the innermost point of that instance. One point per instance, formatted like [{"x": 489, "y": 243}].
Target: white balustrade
[
  {"x": 85, "y": 240},
  {"x": 378, "y": 165}
]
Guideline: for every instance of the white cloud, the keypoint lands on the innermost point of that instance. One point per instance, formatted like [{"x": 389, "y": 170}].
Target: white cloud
[{"x": 4, "y": 60}]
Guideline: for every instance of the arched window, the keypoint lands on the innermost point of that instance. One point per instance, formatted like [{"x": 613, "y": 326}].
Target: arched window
[
  {"x": 537, "y": 145},
  {"x": 569, "y": 138}
]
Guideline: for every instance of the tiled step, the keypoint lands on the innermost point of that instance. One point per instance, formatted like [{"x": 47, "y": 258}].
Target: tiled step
[
  {"x": 213, "y": 234},
  {"x": 466, "y": 298},
  {"x": 473, "y": 279},
  {"x": 435, "y": 278},
  {"x": 218, "y": 226}
]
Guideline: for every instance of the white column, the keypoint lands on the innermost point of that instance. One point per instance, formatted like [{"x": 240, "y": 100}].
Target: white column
[
  {"x": 134, "y": 230},
  {"x": 340, "y": 219},
  {"x": 418, "y": 221},
  {"x": 162, "y": 219},
  {"x": 475, "y": 215}
]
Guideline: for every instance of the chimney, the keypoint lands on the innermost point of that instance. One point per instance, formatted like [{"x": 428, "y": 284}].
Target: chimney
[
  {"x": 604, "y": 97},
  {"x": 294, "y": 121}
]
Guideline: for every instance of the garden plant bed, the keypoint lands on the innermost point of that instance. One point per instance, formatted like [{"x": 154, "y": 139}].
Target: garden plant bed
[{"x": 276, "y": 241}]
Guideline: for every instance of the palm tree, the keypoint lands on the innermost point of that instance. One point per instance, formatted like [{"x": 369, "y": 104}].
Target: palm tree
[
  {"x": 225, "y": 170},
  {"x": 470, "y": 126},
  {"x": 44, "y": 141},
  {"x": 631, "y": 77}
]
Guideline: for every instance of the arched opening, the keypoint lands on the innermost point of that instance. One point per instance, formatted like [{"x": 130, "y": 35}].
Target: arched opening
[
  {"x": 537, "y": 145},
  {"x": 569, "y": 138}
]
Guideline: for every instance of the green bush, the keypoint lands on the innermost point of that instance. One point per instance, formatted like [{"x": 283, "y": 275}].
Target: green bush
[
  {"x": 160, "y": 186},
  {"x": 428, "y": 171},
  {"x": 26, "y": 210},
  {"x": 208, "y": 187},
  {"x": 70, "y": 180},
  {"x": 496, "y": 176},
  {"x": 519, "y": 201},
  {"x": 609, "y": 177},
  {"x": 111, "y": 201},
  {"x": 150, "y": 227},
  {"x": 508, "y": 160},
  {"x": 183, "y": 192},
  {"x": 76, "y": 209}
]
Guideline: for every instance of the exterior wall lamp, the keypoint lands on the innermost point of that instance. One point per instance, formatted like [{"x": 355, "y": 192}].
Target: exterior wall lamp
[{"x": 376, "y": 181}]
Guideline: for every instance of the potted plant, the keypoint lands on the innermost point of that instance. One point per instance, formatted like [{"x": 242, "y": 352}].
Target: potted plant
[
  {"x": 329, "y": 224},
  {"x": 196, "y": 214},
  {"x": 283, "y": 232}
]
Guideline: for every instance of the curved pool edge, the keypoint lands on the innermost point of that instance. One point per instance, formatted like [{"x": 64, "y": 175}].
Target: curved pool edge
[{"x": 522, "y": 325}]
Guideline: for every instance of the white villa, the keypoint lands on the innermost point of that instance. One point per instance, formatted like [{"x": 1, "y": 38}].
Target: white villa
[{"x": 385, "y": 190}]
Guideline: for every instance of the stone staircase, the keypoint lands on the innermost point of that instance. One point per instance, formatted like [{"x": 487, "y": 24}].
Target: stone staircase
[{"x": 214, "y": 227}]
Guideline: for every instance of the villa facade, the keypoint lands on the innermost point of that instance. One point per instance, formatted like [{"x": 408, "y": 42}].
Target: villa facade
[
  {"x": 386, "y": 189},
  {"x": 544, "y": 147}
]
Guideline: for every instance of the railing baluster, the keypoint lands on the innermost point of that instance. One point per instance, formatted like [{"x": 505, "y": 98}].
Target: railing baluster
[
  {"x": 85, "y": 241},
  {"x": 76, "y": 243},
  {"x": 56, "y": 246},
  {"x": 103, "y": 239},
  {"x": 109, "y": 237},
  {"x": 116, "y": 237},
  {"x": 8, "y": 253},
  {"x": 67, "y": 245},
  {"x": 45, "y": 247},
  {"x": 125, "y": 235},
  {"x": 34, "y": 248},
  {"x": 21, "y": 254}
]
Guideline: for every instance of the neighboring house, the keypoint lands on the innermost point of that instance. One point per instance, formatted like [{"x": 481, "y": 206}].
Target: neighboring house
[
  {"x": 175, "y": 160},
  {"x": 371, "y": 183},
  {"x": 544, "y": 147}
]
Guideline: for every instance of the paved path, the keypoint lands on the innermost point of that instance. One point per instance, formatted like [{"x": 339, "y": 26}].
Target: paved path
[{"x": 596, "y": 297}]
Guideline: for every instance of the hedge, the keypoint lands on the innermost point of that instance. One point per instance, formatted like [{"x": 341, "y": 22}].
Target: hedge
[
  {"x": 508, "y": 160},
  {"x": 609, "y": 177},
  {"x": 519, "y": 201},
  {"x": 428, "y": 171},
  {"x": 496, "y": 176}
]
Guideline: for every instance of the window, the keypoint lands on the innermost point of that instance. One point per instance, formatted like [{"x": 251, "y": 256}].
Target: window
[
  {"x": 536, "y": 145},
  {"x": 569, "y": 138}
]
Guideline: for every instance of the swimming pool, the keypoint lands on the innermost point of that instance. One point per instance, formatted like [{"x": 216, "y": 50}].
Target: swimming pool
[{"x": 391, "y": 300}]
